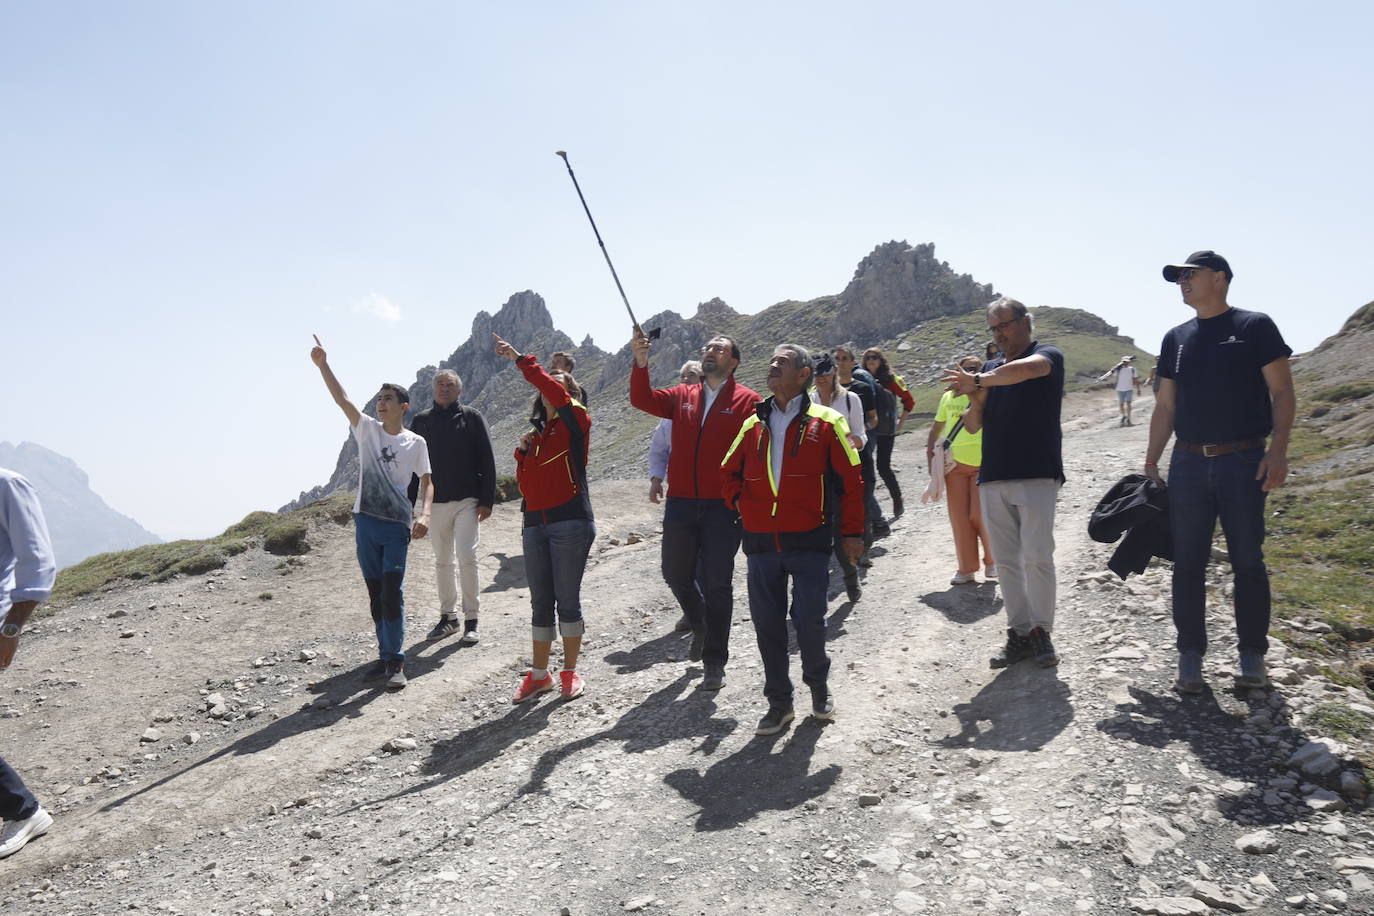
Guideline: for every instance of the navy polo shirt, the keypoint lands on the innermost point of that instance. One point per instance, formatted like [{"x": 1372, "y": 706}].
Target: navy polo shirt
[
  {"x": 1217, "y": 367},
  {"x": 1021, "y": 435}
]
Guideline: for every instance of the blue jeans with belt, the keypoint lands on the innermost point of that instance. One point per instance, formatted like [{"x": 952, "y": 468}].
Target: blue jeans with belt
[{"x": 1202, "y": 490}]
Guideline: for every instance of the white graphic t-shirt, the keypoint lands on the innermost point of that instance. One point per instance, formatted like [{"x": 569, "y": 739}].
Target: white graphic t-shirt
[
  {"x": 385, "y": 463},
  {"x": 1125, "y": 378}
]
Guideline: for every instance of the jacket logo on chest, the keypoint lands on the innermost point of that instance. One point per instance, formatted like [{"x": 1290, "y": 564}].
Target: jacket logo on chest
[{"x": 1231, "y": 340}]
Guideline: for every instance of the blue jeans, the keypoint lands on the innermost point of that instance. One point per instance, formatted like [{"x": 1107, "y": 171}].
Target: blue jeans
[
  {"x": 700, "y": 540},
  {"x": 768, "y": 574},
  {"x": 555, "y": 558},
  {"x": 1201, "y": 490},
  {"x": 382, "y": 548},
  {"x": 16, "y": 801}
]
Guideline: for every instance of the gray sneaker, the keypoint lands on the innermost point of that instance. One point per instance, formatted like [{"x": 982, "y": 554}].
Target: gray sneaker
[
  {"x": 822, "y": 703},
  {"x": 446, "y": 627},
  {"x": 1253, "y": 672},
  {"x": 397, "y": 680},
  {"x": 15, "y": 835},
  {"x": 714, "y": 679},
  {"x": 469, "y": 637}
]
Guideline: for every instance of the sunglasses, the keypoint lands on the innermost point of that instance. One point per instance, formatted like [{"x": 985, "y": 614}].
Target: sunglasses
[{"x": 1185, "y": 274}]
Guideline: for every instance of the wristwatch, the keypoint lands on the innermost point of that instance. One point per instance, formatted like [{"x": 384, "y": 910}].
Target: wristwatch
[
  {"x": 977, "y": 380},
  {"x": 10, "y": 631}
]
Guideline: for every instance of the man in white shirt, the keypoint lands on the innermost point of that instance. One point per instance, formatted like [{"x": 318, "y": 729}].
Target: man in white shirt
[
  {"x": 1127, "y": 386},
  {"x": 388, "y": 454}
]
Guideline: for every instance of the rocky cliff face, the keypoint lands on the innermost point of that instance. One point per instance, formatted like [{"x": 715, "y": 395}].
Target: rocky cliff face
[
  {"x": 79, "y": 522},
  {"x": 900, "y": 285}
]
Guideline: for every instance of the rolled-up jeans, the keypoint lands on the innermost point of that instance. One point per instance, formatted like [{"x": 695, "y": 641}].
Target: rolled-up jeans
[
  {"x": 1019, "y": 518},
  {"x": 1201, "y": 490},
  {"x": 555, "y": 559}
]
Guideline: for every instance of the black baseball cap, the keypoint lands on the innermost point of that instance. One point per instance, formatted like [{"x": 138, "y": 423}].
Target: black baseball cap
[{"x": 1207, "y": 258}]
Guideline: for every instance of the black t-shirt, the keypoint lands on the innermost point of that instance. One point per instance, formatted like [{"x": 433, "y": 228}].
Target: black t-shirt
[
  {"x": 866, "y": 387},
  {"x": 1216, "y": 364},
  {"x": 1021, "y": 435}
]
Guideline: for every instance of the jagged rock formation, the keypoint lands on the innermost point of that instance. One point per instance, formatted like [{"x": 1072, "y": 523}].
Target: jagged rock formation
[
  {"x": 79, "y": 522},
  {"x": 899, "y": 285}
]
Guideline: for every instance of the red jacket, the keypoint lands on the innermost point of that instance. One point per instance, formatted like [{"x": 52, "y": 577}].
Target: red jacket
[
  {"x": 819, "y": 466},
  {"x": 698, "y": 448},
  {"x": 552, "y": 473},
  {"x": 903, "y": 393}
]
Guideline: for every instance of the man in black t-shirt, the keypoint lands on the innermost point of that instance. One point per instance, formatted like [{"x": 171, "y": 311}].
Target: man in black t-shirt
[
  {"x": 1225, "y": 386},
  {"x": 1016, "y": 404}
]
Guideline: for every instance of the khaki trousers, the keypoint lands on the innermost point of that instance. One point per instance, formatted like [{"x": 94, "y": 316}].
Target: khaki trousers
[
  {"x": 453, "y": 525},
  {"x": 1019, "y": 517}
]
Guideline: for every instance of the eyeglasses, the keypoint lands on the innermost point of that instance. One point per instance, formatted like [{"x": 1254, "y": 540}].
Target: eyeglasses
[
  {"x": 1004, "y": 325},
  {"x": 715, "y": 348}
]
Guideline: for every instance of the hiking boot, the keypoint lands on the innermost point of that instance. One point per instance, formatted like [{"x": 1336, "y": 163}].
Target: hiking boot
[
  {"x": 469, "y": 637},
  {"x": 396, "y": 679},
  {"x": 990, "y": 571},
  {"x": 822, "y": 703},
  {"x": 881, "y": 529},
  {"x": 1190, "y": 673},
  {"x": 961, "y": 578},
  {"x": 1017, "y": 649},
  {"x": 898, "y": 507},
  {"x": 698, "y": 646},
  {"x": 714, "y": 679},
  {"x": 852, "y": 590},
  {"x": 446, "y": 626},
  {"x": 529, "y": 687},
  {"x": 1042, "y": 648},
  {"x": 572, "y": 684},
  {"x": 377, "y": 671},
  {"x": 15, "y": 835},
  {"x": 1252, "y": 671},
  {"x": 775, "y": 720},
  {"x": 683, "y": 625}
]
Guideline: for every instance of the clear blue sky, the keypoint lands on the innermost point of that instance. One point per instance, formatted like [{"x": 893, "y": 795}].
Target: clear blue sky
[{"x": 191, "y": 189}]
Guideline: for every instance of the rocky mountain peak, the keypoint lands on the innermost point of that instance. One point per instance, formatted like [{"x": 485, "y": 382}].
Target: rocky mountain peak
[
  {"x": 714, "y": 309},
  {"x": 899, "y": 285}
]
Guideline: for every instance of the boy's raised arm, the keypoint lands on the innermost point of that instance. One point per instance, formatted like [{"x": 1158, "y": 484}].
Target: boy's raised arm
[{"x": 318, "y": 357}]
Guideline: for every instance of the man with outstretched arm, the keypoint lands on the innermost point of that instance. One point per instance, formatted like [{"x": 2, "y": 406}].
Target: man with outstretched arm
[
  {"x": 1225, "y": 386},
  {"x": 464, "y": 469},
  {"x": 388, "y": 454},
  {"x": 1017, "y": 405},
  {"x": 701, "y": 534},
  {"x": 27, "y": 572},
  {"x": 791, "y": 460}
]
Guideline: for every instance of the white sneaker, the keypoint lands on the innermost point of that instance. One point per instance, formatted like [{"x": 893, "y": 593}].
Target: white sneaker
[
  {"x": 990, "y": 572},
  {"x": 961, "y": 579},
  {"x": 16, "y": 834}
]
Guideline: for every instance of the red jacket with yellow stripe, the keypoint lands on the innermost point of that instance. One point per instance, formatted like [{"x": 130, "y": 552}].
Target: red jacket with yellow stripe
[
  {"x": 897, "y": 386},
  {"x": 552, "y": 473},
  {"x": 820, "y": 469}
]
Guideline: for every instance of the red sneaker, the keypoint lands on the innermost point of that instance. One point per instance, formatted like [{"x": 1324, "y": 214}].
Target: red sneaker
[
  {"x": 530, "y": 687},
  {"x": 573, "y": 685}
]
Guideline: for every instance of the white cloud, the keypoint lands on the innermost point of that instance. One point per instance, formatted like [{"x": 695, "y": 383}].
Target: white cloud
[{"x": 380, "y": 306}]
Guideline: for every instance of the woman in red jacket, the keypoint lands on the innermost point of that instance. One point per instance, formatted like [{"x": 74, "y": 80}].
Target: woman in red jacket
[{"x": 551, "y": 468}]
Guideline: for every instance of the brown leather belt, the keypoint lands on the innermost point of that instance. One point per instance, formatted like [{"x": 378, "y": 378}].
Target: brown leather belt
[{"x": 1224, "y": 448}]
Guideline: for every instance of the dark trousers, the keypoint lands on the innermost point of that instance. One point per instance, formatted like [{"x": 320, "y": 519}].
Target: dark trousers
[
  {"x": 1201, "y": 490},
  {"x": 16, "y": 801},
  {"x": 884, "y": 463},
  {"x": 810, "y": 574},
  {"x": 873, "y": 513},
  {"x": 700, "y": 540}
]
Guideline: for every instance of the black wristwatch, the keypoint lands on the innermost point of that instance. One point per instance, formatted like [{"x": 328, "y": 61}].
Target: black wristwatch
[
  {"x": 10, "y": 630},
  {"x": 977, "y": 380}
]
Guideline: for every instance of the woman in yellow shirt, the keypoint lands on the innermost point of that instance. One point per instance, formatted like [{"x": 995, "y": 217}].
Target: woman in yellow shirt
[{"x": 961, "y": 483}]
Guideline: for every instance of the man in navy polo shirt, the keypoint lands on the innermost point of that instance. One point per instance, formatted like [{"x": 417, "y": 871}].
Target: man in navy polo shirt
[
  {"x": 1016, "y": 403},
  {"x": 1225, "y": 386}
]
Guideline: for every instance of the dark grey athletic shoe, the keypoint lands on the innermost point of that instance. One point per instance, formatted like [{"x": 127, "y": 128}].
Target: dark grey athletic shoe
[
  {"x": 1252, "y": 671},
  {"x": 683, "y": 625},
  {"x": 1017, "y": 649},
  {"x": 1190, "y": 673},
  {"x": 822, "y": 703},
  {"x": 775, "y": 720},
  {"x": 397, "y": 680},
  {"x": 1042, "y": 648},
  {"x": 446, "y": 626},
  {"x": 714, "y": 679}
]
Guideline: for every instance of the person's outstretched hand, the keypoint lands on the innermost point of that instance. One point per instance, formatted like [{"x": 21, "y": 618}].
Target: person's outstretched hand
[{"x": 504, "y": 349}]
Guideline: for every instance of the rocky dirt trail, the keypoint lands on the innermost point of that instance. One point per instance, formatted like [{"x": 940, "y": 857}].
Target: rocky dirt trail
[{"x": 208, "y": 749}]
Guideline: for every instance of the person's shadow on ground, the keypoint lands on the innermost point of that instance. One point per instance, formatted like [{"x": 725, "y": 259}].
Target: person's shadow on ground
[
  {"x": 510, "y": 574},
  {"x": 1219, "y": 739},
  {"x": 340, "y": 696},
  {"x": 758, "y": 777},
  {"x": 665, "y": 648},
  {"x": 1022, "y": 709},
  {"x": 965, "y": 604}
]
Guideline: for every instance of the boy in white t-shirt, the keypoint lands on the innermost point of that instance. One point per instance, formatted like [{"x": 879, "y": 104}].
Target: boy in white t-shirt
[{"x": 388, "y": 454}]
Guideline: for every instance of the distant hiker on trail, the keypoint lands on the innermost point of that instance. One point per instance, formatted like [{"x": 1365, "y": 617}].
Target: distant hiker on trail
[
  {"x": 865, "y": 386},
  {"x": 27, "y": 571},
  {"x": 388, "y": 454},
  {"x": 961, "y": 464},
  {"x": 1127, "y": 385},
  {"x": 551, "y": 468},
  {"x": 830, "y": 393},
  {"x": 891, "y": 390},
  {"x": 660, "y": 451},
  {"x": 1226, "y": 386},
  {"x": 791, "y": 460},
  {"x": 700, "y": 533},
  {"x": 560, "y": 361},
  {"x": 1017, "y": 405},
  {"x": 464, "y": 471}
]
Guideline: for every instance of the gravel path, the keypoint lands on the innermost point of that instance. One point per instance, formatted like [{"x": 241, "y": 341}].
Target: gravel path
[{"x": 206, "y": 749}]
